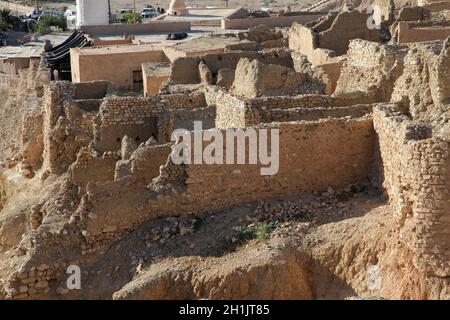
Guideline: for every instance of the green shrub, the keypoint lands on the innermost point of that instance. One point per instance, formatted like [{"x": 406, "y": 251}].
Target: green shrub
[
  {"x": 260, "y": 231},
  {"x": 8, "y": 21},
  {"x": 128, "y": 17},
  {"x": 47, "y": 21}
]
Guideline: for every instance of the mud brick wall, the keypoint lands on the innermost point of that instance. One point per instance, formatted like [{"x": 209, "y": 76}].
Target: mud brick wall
[
  {"x": 190, "y": 101},
  {"x": 146, "y": 161},
  {"x": 185, "y": 70},
  {"x": 304, "y": 166},
  {"x": 416, "y": 168},
  {"x": 273, "y": 21},
  {"x": 184, "y": 119},
  {"x": 89, "y": 168},
  {"x": 138, "y": 117}
]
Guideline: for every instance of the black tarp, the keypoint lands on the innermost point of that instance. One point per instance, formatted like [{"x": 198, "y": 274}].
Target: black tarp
[{"x": 58, "y": 58}]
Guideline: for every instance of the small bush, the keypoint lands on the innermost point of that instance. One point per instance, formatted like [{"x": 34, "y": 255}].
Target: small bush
[
  {"x": 8, "y": 21},
  {"x": 260, "y": 231},
  {"x": 47, "y": 21},
  {"x": 128, "y": 17}
]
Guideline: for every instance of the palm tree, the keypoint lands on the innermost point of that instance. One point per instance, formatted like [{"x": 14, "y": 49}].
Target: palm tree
[{"x": 7, "y": 20}]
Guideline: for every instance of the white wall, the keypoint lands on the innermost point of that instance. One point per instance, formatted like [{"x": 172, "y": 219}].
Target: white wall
[{"x": 92, "y": 12}]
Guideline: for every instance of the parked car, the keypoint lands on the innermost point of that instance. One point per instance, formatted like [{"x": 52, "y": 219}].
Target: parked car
[
  {"x": 35, "y": 14},
  {"x": 149, "y": 12},
  {"x": 53, "y": 13},
  {"x": 146, "y": 15}
]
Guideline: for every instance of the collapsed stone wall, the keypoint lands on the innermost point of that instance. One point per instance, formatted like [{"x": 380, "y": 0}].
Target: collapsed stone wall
[
  {"x": 416, "y": 177},
  {"x": 20, "y": 98},
  {"x": 115, "y": 207},
  {"x": 73, "y": 116},
  {"x": 321, "y": 46},
  {"x": 253, "y": 79},
  {"x": 372, "y": 66},
  {"x": 67, "y": 126},
  {"x": 424, "y": 86},
  {"x": 89, "y": 168}
]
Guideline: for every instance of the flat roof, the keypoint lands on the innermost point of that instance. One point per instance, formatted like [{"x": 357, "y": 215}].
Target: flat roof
[
  {"x": 56, "y": 38},
  {"x": 161, "y": 38},
  {"x": 21, "y": 52},
  {"x": 217, "y": 41},
  {"x": 118, "y": 49}
]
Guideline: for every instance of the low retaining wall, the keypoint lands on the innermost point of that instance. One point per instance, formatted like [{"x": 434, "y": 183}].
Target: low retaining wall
[
  {"x": 140, "y": 28},
  {"x": 272, "y": 22}
]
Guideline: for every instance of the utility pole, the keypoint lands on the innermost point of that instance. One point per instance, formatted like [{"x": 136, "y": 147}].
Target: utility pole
[
  {"x": 109, "y": 11},
  {"x": 134, "y": 11}
]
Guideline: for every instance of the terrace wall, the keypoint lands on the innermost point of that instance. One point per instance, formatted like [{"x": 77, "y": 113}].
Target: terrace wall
[
  {"x": 140, "y": 28},
  {"x": 272, "y": 22}
]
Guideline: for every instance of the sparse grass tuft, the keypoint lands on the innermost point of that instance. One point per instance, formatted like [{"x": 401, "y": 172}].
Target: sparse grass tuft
[{"x": 260, "y": 231}]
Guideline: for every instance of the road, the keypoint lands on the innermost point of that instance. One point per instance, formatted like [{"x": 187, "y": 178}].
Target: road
[{"x": 16, "y": 8}]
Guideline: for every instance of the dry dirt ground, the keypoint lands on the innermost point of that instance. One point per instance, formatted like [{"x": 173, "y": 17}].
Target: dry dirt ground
[{"x": 313, "y": 246}]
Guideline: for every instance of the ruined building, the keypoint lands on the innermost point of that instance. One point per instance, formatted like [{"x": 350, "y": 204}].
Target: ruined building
[{"x": 361, "y": 184}]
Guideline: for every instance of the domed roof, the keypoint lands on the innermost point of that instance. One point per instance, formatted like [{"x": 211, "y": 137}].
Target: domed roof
[{"x": 177, "y": 8}]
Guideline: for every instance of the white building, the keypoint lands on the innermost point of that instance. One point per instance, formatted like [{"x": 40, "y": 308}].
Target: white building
[
  {"x": 71, "y": 17},
  {"x": 92, "y": 12}
]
